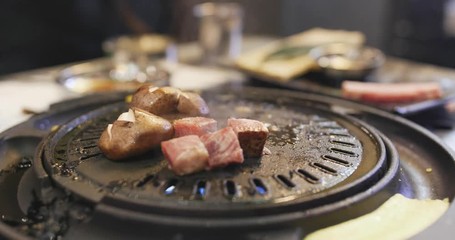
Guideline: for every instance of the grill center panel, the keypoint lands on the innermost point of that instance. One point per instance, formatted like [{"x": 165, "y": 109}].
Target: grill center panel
[{"x": 312, "y": 151}]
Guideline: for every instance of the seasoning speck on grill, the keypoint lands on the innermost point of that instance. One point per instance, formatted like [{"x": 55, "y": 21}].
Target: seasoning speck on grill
[
  {"x": 194, "y": 126},
  {"x": 252, "y": 135},
  {"x": 185, "y": 154},
  {"x": 223, "y": 147}
]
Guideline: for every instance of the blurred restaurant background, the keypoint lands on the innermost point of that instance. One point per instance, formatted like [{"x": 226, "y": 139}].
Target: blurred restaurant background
[{"x": 43, "y": 33}]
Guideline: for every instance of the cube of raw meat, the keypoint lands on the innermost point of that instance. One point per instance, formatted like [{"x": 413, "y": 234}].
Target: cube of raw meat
[
  {"x": 223, "y": 147},
  {"x": 194, "y": 126},
  {"x": 185, "y": 154},
  {"x": 252, "y": 135}
]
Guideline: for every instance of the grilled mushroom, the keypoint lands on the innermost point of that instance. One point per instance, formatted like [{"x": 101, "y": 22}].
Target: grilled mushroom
[
  {"x": 133, "y": 133},
  {"x": 192, "y": 104},
  {"x": 168, "y": 101},
  {"x": 156, "y": 100}
]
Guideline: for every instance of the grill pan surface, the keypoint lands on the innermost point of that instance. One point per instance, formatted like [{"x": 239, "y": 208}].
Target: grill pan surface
[{"x": 415, "y": 156}]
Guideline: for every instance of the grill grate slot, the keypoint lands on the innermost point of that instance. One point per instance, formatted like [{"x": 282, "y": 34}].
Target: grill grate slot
[
  {"x": 89, "y": 146},
  {"x": 334, "y": 134},
  {"x": 344, "y": 152},
  {"x": 342, "y": 143},
  {"x": 230, "y": 188},
  {"x": 325, "y": 168},
  {"x": 200, "y": 189},
  {"x": 95, "y": 130},
  {"x": 170, "y": 187},
  {"x": 283, "y": 180},
  {"x": 145, "y": 180},
  {"x": 259, "y": 186},
  {"x": 307, "y": 176},
  {"x": 61, "y": 151},
  {"x": 336, "y": 160},
  {"x": 89, "y": 139},
  {"x": 89, "y": 156},
  {"x": 332, "y": 127}
]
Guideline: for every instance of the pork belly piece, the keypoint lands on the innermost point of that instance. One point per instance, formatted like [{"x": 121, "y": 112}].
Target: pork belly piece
[
  {"x": 192, "y": 104},
  {"x": 391, "y": 92},
  {"x": 252, "y": 135},
  {"x": 223, "y": 147},
  {"x": 133, "y": 133},
  {"x": 156, "y": 100},
  {"x": 194, "y": 126},
  {"x": 185, "y": 154}
]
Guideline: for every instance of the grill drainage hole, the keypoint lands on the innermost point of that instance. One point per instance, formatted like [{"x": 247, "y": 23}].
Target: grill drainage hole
[
  {"x": 145, "y": 180},
  {"x": 344, "y": 152},
  {"x": 343, "y": 143},
  {"x": 259, "y": 186},
  {"x": 333, "y": 127},
  {"x": 200, "y": 189},
  {"x": 285, "y": 181},
  {"x": 336, "y": 160},
  {"x": 170, "y": 186},
  {"x": 334, "y": 134},
  {"x": 325, "y": 168},
  {"x": 230, "y": 189},
  {"x": 307, "y": 176}
]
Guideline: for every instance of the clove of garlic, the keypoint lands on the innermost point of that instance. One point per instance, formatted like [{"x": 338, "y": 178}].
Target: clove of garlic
[
  {"x": 109, "y": 131},
  {"x": 127, "y": 116}
]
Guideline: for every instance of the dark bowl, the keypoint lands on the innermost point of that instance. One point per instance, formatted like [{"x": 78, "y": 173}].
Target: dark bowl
[{"x": 347, "y": 61}]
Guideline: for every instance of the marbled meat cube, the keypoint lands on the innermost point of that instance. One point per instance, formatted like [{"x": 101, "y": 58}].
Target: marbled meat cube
[
  {"x": 194, "y": 126},
  {"x": 185, "y": 154},
  {"x": 223, "y": 147},
  {"x": 252, "y": 135}
]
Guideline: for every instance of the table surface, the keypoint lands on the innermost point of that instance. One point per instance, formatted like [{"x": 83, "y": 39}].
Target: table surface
[{"x": 33, "y": 91}]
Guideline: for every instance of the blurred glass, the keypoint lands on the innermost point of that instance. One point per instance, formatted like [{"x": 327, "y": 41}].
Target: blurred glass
[
  {"x": 134, "y": 57},
  {"x": 133, "y": 61},
  {"x": 220, "y": 31}
]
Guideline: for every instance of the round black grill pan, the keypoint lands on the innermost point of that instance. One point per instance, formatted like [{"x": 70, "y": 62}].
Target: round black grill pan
[
  {"x": 313, "y": 150},
  {"x": 417, "y": 149}
]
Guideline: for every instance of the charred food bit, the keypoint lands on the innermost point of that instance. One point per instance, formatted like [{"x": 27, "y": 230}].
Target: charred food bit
[
  {"x": 192, "y": 104},
  {"x": 133, "y": 133},
  {"x": 252, "y": 135},
  {"x": 223, "y": 147},
  {"x": 194, "y": 126},
  {"x": 156, "y": 100},
  {"x": 185, "y": 154}
]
